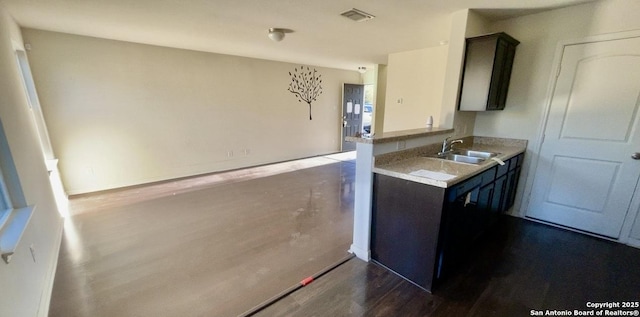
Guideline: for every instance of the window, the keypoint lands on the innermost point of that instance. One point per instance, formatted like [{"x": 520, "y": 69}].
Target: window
[
  {"x": 14, "y": 212},
  {"x": 5, "y": 202},
  {"x": 34, "y": 103}
]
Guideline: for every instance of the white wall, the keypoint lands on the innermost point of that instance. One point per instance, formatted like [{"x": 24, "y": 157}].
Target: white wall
[
  {"x": 464, "y": 23},
  {"x": 381, "y": 96},
  {"x": 26, "y": 285},
  {"x": 122, "y": 113},
  {"x": 416, "y": 78},
  {"x": 539, "y": 35}
]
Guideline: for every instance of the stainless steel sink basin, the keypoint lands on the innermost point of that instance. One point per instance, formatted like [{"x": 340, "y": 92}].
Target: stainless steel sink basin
[
  {"x": 467, "y": 156},
  {"x": 462, "y": 158},
  {"x": 473, "y": 153}
]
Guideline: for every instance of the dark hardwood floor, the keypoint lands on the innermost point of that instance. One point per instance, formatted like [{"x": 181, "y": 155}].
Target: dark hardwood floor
[
  {"x": 211, "y": 250},
  {"x": 219, "y": 245},
  {"x": 520, "y": 266}
]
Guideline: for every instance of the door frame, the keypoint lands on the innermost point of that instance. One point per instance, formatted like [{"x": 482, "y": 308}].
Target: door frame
[{"x": 553, "y": 78}]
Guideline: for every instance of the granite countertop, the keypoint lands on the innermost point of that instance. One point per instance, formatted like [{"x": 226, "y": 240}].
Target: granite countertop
[
  {"x": 399, "y": 135},
  {"x": 401, "y": 168}
]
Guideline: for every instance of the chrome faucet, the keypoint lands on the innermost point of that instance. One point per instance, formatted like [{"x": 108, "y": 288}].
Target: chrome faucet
[{"x": 447, "y": 145}]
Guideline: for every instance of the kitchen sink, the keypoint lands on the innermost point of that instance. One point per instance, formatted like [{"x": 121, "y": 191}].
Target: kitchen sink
[
  {"x": 462, "y": 158},
  {"x": 467, "y": 156},
  {"x": 473, "y": 153}
]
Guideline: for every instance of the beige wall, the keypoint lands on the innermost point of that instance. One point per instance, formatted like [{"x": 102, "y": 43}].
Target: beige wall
[
  {"x": 455, "y": 55},
  {"x": 381, "y": 96},
  {"x": 121, "y": 113},
  {"x": 414, "y": 88},
  {"x": 26, "y": 285},
  {"x": 539, "y": 35},
  {"x": 464, "y": 24}
]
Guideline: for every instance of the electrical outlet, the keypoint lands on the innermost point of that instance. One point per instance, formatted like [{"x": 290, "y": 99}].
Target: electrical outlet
[
  {"x": 246, "y": 152},
  {"x": 230, "y": 153}
]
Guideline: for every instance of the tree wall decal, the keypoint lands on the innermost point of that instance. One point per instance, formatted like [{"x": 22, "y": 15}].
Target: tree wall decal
[{"x": 306, "y": 85}]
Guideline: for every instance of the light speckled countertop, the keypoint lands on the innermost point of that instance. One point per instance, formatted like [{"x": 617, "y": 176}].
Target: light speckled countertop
[{"x": 507, "y": 148}]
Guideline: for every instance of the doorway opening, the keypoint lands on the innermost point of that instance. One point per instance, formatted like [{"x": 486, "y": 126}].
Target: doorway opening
[
  {"x": 367, "y": 115},
  {"x": 352, "y": 113}
]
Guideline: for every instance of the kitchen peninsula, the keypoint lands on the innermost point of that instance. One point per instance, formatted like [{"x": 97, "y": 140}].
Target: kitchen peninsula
[{"x": 414, "y": 212}]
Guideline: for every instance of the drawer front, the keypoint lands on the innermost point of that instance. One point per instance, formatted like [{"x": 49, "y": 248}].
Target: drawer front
[
  {"x": 464, "y": 187},
  {"x": 488, "y": 176}
]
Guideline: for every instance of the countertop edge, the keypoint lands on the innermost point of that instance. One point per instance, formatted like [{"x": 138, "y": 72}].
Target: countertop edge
[
  {"x": 409, "y": 177},
  {"x": 446, "y": 184}
]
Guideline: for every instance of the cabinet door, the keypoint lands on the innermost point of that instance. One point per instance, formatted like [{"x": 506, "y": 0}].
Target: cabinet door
[
  {"x": 459, "y": 225},
  {"x": 497, "y": 76},
  {"x": 498, "y": 194},
  {"x": 505, "y": 53},
  {"x": 509, "y": 195},
  {"x": 405, "y": 227},
  {"x": 511, "y": 188},
  {"x": 484, "y": 205}
]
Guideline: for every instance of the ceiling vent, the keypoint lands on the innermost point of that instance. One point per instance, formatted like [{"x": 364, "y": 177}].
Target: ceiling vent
[{"x": 357, "y": 15}]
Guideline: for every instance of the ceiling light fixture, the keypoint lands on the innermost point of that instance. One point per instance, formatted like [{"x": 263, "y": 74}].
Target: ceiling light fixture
[
  {"x": 362, "y": 69},
  {"x": 277, "y": 34}
]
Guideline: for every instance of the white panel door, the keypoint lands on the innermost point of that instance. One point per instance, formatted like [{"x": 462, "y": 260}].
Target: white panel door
[{"x": 586, "y": 175}]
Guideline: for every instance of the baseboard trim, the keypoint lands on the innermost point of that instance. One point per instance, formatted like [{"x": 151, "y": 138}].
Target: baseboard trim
[
  {"x": 362, "y": 254},
  {"x": 633, "y": 243},
  {"x": 630, "y": 241},
  {"x": 83, "y": 192}
]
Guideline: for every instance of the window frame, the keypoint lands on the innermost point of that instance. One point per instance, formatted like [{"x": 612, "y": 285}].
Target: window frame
[
  {"x": 5, "y": 201},
  {"x": 15, "y": 214}
]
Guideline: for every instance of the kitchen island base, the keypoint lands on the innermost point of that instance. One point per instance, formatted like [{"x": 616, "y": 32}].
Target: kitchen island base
[{"x": 423, "y": 232}]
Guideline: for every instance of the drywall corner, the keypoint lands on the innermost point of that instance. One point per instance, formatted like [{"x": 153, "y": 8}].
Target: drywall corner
[
  {"x": 27, "y": 279},
  {"x": 381, "y": 95}
]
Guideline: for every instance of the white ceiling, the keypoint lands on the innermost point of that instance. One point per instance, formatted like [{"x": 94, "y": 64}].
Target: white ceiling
[{"x": 239, "y": 27}]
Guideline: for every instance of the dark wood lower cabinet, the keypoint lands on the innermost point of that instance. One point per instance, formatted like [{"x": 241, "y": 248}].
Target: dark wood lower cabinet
[
  {"x": 423, "y": 232},
  {"x": 511, "y": 188},
  {"x": 498, "y": 197},
  {"x": 405, "y": 226}
]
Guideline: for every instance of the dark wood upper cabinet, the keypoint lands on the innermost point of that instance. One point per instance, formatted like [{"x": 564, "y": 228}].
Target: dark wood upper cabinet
[{"x": 487, "y": 71}]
